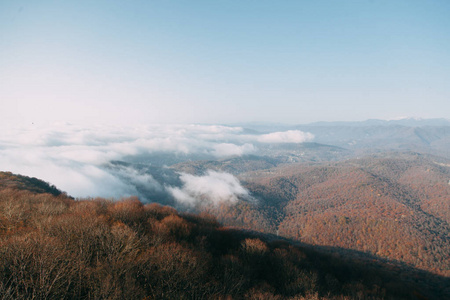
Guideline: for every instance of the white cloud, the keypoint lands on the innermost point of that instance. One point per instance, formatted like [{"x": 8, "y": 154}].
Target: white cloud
[
  {"x": 211, "y": 188},
  {"x": 73, "y": 157},
  {"x": 137, "y": 178},
  {"x": 290, "y": 136}
]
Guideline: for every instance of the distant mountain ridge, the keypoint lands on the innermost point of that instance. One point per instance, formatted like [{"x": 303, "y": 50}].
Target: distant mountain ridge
[
  {"x": 409, "y": 122},
  {"x": 374, "y": 135},
  {"x": 425, "y": 135}
]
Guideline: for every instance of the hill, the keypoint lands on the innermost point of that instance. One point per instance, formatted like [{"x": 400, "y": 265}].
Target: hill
[
  {"x": 54, "y": 247},
  {"x": 32, "y": 184},
  {"x": 393, "y": 206}
]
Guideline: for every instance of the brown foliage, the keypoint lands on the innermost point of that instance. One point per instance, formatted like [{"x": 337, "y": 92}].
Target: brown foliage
[
  {"x": 58, "y": 248},
  {"x": 393, "y": 208}
]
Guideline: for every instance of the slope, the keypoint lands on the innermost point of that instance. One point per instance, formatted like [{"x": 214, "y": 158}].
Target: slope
[{"x": 56, "y": 247}]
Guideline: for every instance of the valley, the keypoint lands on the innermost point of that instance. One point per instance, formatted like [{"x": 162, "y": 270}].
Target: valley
[{"x": 381, "y": 204}]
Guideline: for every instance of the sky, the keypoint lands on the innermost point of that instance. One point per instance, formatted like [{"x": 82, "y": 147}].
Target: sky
[{"x": 210, "y": 62}]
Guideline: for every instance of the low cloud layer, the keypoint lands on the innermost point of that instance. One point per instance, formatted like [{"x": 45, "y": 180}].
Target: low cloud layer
[
  {"x": 75, "y": 158},
  {"x": 211, "y": 188}
]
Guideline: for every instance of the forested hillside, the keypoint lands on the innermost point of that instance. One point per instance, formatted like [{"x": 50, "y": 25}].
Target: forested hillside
[
  {"x": 9, "y": 180},
  {"x": 55, "y": 247},
  {"x": 391, "y": 206}
]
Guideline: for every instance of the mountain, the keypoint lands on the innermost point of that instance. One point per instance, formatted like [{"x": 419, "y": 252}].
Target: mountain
[
  {"x": 393, "y": 206},
  {"x": 54, "y": 247},
  {"x": 269, "y": 156},
  {"x": 371, "y": 136},
  {"x": 408, "y": 122},
  {"x": 428, "y": 136}
]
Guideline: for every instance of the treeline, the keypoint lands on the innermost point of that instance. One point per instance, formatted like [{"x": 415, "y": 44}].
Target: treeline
[{"x": 53, "y": 247}]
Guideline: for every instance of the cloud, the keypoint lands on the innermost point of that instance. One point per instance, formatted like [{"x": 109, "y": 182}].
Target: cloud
[
  {"x": 137, "y": 178},
  {"x": 290, "y": 136},
  {"x": 211, "y": 188},
  {"x": 228, "y": 149},
  {"x": 79, "y": 180},
  {"x": 75, "y": 158}
]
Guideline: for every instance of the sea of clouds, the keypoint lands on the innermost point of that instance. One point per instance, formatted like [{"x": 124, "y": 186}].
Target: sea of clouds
[{"x": 76, "y": 158}]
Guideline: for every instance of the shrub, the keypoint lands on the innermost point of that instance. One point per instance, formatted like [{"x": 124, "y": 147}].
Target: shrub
[{"x": 129, "y": 211}]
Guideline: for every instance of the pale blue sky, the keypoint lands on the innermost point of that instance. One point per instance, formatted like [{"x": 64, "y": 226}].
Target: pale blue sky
[{"x": 223, "y": 61}]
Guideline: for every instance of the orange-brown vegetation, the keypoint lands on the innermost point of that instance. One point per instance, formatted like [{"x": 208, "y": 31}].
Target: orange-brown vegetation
[
  {"x": 32, "y": 184},
  {"x": 54, "y": 247},
  {"x": 395, "y": 208}
]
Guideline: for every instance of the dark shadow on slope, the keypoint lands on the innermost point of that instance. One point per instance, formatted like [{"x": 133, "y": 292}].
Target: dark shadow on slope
[
  {"x": 347, "y": 264},
  {"x": 32, "y": 184}
]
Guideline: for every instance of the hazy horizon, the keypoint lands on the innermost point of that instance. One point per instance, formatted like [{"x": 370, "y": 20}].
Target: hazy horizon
[{"x": 84, "y": 83}]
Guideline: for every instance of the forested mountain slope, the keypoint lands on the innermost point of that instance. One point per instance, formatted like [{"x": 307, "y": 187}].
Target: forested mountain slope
[
  {"x": 393, "y": 206},
  {"x": 54, "y": 247}
]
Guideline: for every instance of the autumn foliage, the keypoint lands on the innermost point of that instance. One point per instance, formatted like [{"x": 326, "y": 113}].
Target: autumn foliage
[
  {"x": 393, "y": 208},
  {"x": 55, "y": 247}
]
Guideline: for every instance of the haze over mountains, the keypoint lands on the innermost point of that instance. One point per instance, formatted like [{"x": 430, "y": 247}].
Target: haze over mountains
[
  {"x": 373, "y": 190},
  {"x": 118, "y": 161},
  {"x": 430, "y": 135}
]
